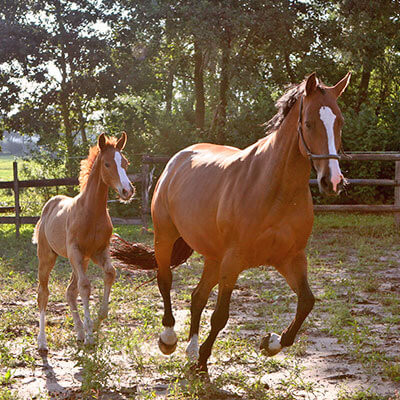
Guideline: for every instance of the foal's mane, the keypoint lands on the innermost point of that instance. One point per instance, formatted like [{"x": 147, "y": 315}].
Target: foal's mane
[{"x": 87, "y": 164}]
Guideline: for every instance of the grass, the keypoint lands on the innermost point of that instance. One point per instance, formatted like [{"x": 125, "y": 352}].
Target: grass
[
  {"x": 354, "y": 275},
  {"x": 6, "y": 167}
]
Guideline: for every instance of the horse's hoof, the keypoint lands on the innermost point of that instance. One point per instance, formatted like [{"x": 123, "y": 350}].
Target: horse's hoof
[
  {"x": 271, "y": 344},
  {"x": 201, "y": 370},
  {"x": 43, "y": 350},
  {"x": 167, "y": 349}
]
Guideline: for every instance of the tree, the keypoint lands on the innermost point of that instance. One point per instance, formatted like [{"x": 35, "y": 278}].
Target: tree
[{"x": 54, "y": 52}]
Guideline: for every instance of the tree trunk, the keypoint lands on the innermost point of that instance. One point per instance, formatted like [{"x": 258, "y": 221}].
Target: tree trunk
[
  {"x": 363, "y": 89},
  {"x": 68, "y": 133},
  {"x": 223, "y": 88},
  {"x": 199, "y": 86},
  {"x": 169, "y": 90}
]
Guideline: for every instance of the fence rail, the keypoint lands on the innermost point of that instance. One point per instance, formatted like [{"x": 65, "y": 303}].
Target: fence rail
[{"x": 145, "y": 178}]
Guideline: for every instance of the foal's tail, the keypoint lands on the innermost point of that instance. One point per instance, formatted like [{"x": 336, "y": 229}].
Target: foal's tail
[
  {"x": 35, "y": 235},
  {"x": 140, "y": 256}
]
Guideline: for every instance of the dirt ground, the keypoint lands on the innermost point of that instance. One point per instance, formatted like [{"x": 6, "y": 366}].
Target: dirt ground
[{"x": 349, "y": 347}]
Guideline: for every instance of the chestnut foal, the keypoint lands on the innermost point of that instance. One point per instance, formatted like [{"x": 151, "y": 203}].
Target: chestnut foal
[{"x": 79, "y": 229}]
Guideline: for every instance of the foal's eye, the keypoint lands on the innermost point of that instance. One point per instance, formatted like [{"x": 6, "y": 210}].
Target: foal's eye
[{"x": 107, "y": 165}]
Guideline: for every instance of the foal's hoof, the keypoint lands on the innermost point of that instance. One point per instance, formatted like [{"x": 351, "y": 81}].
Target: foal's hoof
[
  {"x": 167, "y": 349},
  {"x": 271, "y": 344}
]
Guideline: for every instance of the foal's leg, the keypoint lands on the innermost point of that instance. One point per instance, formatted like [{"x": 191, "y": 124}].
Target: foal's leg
[
  {"x": 103, "y": 260},
  {"x": 229, "y": 272},
  {"x": 72, "y": 295},
  {"x": 200, "y": 295},
  {"x": 295, "y": 273},
  {"x": 163, "y": 249},
  {"x": 47, "y": 259},
  {"x": 79, "y": 265}
]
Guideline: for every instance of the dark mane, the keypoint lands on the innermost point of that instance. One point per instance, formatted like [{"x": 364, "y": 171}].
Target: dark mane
[{"x": 284, "y": 104}]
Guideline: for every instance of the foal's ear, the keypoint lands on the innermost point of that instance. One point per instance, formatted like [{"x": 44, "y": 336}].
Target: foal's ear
[
  {"x": 339, "y": 88},
  {"x": 101, "y": 141},
  {"x": 311, "y": 84},
  {"x": 121, "y": 141}
]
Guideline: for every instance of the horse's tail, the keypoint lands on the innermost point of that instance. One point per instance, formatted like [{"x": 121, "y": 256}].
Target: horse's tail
[
  {"x": 35, "y": 236},
  {"x": 140, "y": 256}
]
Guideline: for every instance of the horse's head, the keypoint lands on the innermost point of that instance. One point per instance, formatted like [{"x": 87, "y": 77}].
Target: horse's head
[
  {"x": 320, "y": 125},
  {"x": 113, "y": 166}
]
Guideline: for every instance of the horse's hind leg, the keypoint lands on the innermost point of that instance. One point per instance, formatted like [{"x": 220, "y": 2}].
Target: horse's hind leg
[
  {"x": 228, "y": 274},
  {"x": 163, "y": 246},
  {"x": 72, "y": 295},
  {"x": 295, "y": 273},
  {"x": 103, "y": 260},
  {"x": 47, "y": 259},
  {"x": 200, "y": 295}
]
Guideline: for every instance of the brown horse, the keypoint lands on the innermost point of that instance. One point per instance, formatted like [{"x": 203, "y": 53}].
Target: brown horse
[
  {"x": 79, "y": 229},
  {"x": 245, "y": 208}
]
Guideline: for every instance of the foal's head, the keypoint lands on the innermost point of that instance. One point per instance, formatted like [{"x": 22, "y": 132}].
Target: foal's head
[
  {"x": 113, "y": 165},
  {"x": 320, "y": 125}
]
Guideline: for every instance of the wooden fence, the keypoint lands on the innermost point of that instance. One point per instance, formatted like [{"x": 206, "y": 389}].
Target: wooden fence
[{"x": 145, "y": 178}]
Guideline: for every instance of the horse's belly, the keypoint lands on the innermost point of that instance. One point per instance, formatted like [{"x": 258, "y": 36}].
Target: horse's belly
[{"x": 274, "y": 246}]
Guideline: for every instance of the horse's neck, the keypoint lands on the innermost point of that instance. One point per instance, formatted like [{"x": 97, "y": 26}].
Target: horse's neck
[
  {"x": 281, "y": 153},
  {"x": 95, "y": 194}
]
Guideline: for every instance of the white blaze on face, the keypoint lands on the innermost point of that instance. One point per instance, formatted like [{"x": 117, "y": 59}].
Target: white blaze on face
[
  {"x": 125, "y": 183},
  {"x": 328, "y": 118}
]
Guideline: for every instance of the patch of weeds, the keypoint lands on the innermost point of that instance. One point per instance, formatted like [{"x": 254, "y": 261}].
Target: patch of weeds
[
  {"x": 97, "y": 369},
  {"x": 7, "y": 378},
  {"x": 345, "y": 394},
  {"x": 299, "y": 348},
  {"x": 7, "y": 394},
  {"x": 392, "y": 371}
]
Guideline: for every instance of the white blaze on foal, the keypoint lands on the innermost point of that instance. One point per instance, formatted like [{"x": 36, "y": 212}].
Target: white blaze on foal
[
  {"x": 121, "y": 172},
  {"x": 328, "y": 118}
]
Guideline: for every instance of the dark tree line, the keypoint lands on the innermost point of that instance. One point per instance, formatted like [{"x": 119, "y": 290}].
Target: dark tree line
[{"x": 172, "y": 73}]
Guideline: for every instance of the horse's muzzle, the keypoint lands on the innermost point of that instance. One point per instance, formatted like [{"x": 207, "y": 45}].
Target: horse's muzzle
[
  {"x": 126, "y": 193},
  {"x": 326, "y": 187}
]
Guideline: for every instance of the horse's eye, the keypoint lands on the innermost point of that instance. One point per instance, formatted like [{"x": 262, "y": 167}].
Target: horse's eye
[
  {"x": 107, "y": 165},
  {"x": 308, "y": 124}
]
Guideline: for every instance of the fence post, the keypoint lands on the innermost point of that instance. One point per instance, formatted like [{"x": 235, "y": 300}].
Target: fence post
[
  {"x": 397, "y": 193},
  {"x": 16, "y": 199},
  {"x": 145, "y": 194}
]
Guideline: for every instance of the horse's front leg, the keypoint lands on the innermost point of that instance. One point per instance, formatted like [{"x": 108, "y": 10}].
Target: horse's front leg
[
  {"x": 103, "y": 260},
  {"x": 79, "y": 265},
  {"x": 295, "y": 273}
]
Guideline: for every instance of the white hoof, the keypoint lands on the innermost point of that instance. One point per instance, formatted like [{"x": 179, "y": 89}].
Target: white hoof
[
  {"x": 192, "y": 351},
  {"x": 169, "y": 337},
  {"x": 271, "y": 344}
]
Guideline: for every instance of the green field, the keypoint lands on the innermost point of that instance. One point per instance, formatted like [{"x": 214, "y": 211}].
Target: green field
[
  {"x": 347, "y": 349},
  {"x": 6, "y": 167}
]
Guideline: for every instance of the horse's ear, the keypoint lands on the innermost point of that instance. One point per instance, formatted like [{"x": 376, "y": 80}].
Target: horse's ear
[
  {"x": 101, "y": 141},
  {"x": 121, "y": 141},
  {"x": 339, "y": 88},
  {"x": 311, "y": 84}
]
